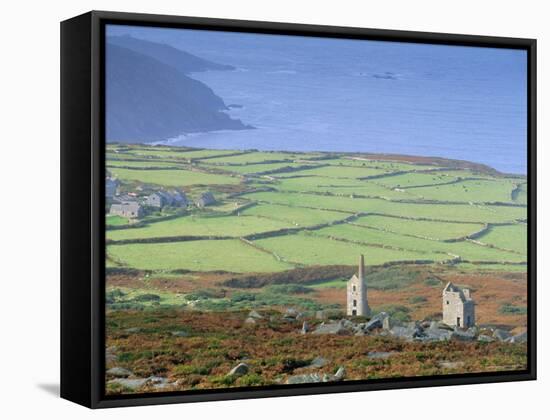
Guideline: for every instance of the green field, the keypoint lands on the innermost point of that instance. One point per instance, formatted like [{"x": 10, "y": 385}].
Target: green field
[
  {"x": 295, "y": 216},
  {"x": 309, "y": 249},
  {"x": 475, "y": 190},
  {"x": 192, "y": 225},
  {"x": 332, "y": 214},
  {"x": 424, "y": 229},
  {"x": 116, "y": 221},
  {"x": 172, "y": 178},
  {"x": 507, "y": 237},
  {"x": 445, "y": 212},
  {"x": 207, "y": 255}
]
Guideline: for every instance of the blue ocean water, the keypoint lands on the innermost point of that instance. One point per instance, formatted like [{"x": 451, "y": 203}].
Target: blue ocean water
[{"x": 305, "y": 94}]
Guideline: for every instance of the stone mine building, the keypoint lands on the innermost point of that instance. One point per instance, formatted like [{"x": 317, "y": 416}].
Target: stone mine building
[
  {"x": 357, "y": 304},
  {"x": 458, "y": 307}
]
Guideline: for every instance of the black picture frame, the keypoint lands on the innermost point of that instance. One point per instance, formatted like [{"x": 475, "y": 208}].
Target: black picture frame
[{"x": 82, "y": 207}]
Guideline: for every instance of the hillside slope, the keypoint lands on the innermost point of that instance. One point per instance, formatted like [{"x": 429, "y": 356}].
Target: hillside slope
[{"x": 147, "y": 100}]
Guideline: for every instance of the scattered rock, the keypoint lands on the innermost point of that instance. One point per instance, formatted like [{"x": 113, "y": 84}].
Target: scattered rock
[
  {"x": 318, "y": 362},
  {"x": 132, "y": 384},
  {"x": 501, "y": 335},
  {"x": 408, "y": 333},
  {"x": 331, "y": 328},
  {"x": 387, "y": 323},
  {"x": 485, "y": 338},
  {"x": 119, "y": 372},
  {"x": 305, "y": 328},
  {"x": 374, "y": 323},
  {"x": 463, "y": 335},
  {"x": 291, "y": 313},
  {"x": 304, "y": 379},
  {"x": 132, "y": 330},
  {"x": 110, "y": 355},
  {"x": 519, "y": 338},
  {"x": 379, "y": 354},
  {"x": 340, "y": 374},
  {"x": 445, "y": 364},
  {"x": 250, "y": 321},
  {"x": 255, "y": 315},
  {"x": 239, "y": 370}
]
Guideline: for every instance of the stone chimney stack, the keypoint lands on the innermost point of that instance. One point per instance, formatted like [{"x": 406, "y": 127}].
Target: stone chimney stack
[{"x": 361, "y": 273}]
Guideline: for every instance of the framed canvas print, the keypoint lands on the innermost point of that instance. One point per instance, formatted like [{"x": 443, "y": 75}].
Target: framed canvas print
[{"x": 256, "y": 209}]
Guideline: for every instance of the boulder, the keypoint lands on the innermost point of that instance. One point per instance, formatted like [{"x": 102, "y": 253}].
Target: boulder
[
  {"x": 307, "y": 378},
  {"x": 373, "y": 324},
  {"x": 409, "y": 333},
  {"x": 339, "y": 375},
  {"x": 132, "y": 330},
  {"x": 519, "y": 338},
  {"x": 119, "y": 372},
  {"x": 305, "y": 328},
  {"x": 463, "y": 335},
  {"x": 132, "y": 384},
  {"x": 501, "y": 335},
  {"x": 379, "y": 354},
  {"x": 239, "y": 370},
  {"x": 110, "y": 354},
  {"x": 318, "y": 362},
  {"x": 331, "y": 328},
  {"x": 250, "y": 321},
  {"x": 387, "y": 323},
  {"x": 291, "y": 313},
  {"x": 485, "y": 338},
  {"x": 255, "y": 315},
  {"x": 445, "y": 364}
]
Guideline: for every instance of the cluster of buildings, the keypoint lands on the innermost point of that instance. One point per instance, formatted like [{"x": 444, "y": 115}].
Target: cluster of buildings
[
  {"x": 133, "y": 207},
  {"x": 458, "y": 305}
]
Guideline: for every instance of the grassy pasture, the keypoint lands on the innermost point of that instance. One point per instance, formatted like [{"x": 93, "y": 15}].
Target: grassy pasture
[
  {"x": 254, "y": 157},
  {"x": 294, "y": 216},
  {"x": 342, "y": 186},
  {"x": 342, "y": 171},
  {"x": 414, "y": 179},
  {"x": 508, "y": 237},
  {"x": 176, "y": 153},
  {"x": 379, "y": 164},
  {"x": 434, "y": 230},
  {"x": 453, "y": 213},
  {"x": 116, "y": 221},
  {"x": 309, "y": 249},
  {"x": 172, "y": 178},
  {"x": 141, "y": 164},
  {"x": 255, "y": 168},
  {"x": 466, "y": 250},
  {"x": 468, "y": 190},
  {"x": 201, "y": 226},
  {"x": 208, "y": 255}
]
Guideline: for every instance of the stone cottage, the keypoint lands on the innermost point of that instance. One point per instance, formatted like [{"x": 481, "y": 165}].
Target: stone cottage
[
  {"x": 111, "y": 187},
  {"x": 129, "y": 209},
  {"x": 160, "y": 199},
  {"x": 357, "y": 303},
  {"x": 205, "y": 199},
  {"x": 458, "y": 307}
]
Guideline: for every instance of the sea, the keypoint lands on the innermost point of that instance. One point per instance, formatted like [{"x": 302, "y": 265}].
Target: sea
[{"x": 321, "y": 94}]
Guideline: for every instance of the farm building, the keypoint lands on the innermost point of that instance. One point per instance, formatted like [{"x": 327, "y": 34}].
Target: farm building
[
  {"x": 129, "y": 209},
  {"x": 205, "y": 199},
  {"x": 458, "y": 307},
  {"x": 180, "y": 199},
  {"x": 159, "y": 199},
  {"x": 111, "y": 187},
  {"x": 357, "y": 303}
]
